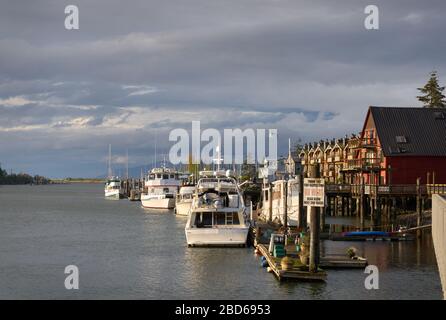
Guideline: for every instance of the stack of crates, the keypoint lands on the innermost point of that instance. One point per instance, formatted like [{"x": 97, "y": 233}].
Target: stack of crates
[{"x": 279, "y": 251}]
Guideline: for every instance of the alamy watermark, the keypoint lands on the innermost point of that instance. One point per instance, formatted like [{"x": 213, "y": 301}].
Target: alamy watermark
[
  {"x": 371, "y": 282},
  {"x": 72, "y": 280},
  {"x": 238, "y": 145}
]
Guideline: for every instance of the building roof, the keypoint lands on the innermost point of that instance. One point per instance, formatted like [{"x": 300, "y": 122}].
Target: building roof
[{"x": 410, "y": 131}]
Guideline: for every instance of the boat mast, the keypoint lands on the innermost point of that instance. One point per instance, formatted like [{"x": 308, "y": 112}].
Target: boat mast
[
  {"x": 110, "y": 173},
  {"x": 127, "y": 165},
  {"x": 218, "y": 160},
  {"x": 156, "y": 138}
]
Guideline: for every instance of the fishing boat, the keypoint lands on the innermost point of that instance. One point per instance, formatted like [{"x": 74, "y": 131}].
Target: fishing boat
[
  {"x": 113, "y": 187},
  {"x": 217, "y": 215},
  {"x": 162, "y": 186},
  {"x": 184, "y": 199}
]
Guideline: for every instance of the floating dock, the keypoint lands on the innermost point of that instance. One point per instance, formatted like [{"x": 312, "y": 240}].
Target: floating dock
[
  {"x": 294, "y": 273},
  {"x": 341, "y": 262}
]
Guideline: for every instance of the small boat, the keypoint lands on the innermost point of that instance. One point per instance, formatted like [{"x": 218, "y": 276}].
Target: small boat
[
  {"x": 366, "y": 234},
  {"x": 162, "y": 186},
  {"x": 184, "y": 200},
  {"x": 113, "y": 189}
]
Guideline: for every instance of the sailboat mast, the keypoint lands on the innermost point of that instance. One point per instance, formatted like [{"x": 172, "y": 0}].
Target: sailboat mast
[
  {"x": 127, "y": 164},
  {"x": 156, "y": 140},
  {"x": 109, "y": 162}
]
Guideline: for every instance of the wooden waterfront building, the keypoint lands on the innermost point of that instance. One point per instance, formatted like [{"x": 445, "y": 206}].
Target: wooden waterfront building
[
  {"x": 395, "y": 146},
  {"x": 399, "y": 156},
  {"x": 399, "y": 145}
]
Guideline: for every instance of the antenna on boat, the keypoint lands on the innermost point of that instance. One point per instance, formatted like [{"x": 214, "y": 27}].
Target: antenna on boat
[
  {"x": 218, "y": 160},
  {"x": 164, "y": 161},
  {"x": 156, "y": 140}
]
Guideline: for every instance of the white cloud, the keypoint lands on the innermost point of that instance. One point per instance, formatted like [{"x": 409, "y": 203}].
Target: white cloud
[
  {"x": 140, "y": 90},
  {"x": 15, "y": 101}
]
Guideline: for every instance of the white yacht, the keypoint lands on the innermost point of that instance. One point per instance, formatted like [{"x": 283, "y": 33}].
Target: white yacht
[
  {"x": 217, "y": 216},
  {"x": 183, "y": 201},
  {"x": 162, "y": 186},
  {"x": 113, "y": 188}
]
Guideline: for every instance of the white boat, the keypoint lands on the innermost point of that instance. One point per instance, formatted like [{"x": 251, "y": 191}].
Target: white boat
[
  {"x": 183, "y": 201},
  {"x": 162, "y": 186},
  {"x": 113, "y": 189},
  {"x": 217, "y": 216},
  {"x": 278, "y": 201}
]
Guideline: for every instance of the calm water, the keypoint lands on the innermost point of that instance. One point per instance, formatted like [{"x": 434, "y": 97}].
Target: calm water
[{"x": 123, "y": 251}]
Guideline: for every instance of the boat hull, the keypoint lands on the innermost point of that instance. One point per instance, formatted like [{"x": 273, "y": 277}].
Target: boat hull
[
  {"x": 113, "y": 194},
  {"x": 182, "y": 208},
  {"x": 216, "y": 236},
  {"x": 157, "y": 203}
]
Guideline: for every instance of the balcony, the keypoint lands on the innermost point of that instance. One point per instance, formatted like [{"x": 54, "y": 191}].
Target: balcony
[
  {"x": 366, "y": 164},
  {"x": 369, "y": 143}
]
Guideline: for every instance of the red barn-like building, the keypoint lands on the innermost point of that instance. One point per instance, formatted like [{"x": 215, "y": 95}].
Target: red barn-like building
[{"x": 399, "y": 145}]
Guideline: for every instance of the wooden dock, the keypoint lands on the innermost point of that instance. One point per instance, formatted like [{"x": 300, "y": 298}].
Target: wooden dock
[
  {"x": 294, "y": 273},
  {"x": 341, "y": 262}
]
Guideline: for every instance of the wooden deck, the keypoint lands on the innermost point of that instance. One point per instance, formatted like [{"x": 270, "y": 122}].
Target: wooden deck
[
  {"x": 294, "y": 273},
  {"x": 341, "y": 262}
]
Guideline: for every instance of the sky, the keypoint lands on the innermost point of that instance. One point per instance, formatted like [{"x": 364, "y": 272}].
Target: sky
[{"x": 137, "y": 69}]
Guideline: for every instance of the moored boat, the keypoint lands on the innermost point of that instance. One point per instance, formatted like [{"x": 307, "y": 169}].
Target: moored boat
[
  {"x": 184, "y": 199},
  {"x": 162, "y": 186},
  {"x": 113, "y": 188},
  {"x": 217, "y": 215}
]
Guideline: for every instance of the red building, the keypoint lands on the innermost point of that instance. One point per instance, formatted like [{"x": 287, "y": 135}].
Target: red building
[{"x": 399, "y": 145}]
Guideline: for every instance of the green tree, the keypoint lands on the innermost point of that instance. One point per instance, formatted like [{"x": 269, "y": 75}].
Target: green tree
[{"x": 432, "y": 94}]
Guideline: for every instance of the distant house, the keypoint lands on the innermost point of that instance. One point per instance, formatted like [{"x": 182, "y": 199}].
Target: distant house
[{"x": 398, "y": 145}]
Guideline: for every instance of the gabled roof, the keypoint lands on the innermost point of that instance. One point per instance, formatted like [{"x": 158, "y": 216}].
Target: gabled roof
[{"x": 410, "y": 131}]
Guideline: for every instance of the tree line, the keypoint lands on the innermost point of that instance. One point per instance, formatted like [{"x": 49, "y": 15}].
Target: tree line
[{"x": 21, "y": 178}]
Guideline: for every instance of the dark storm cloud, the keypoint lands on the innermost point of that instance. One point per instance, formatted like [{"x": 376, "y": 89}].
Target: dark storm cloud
[{"x": 140, "y": 68}]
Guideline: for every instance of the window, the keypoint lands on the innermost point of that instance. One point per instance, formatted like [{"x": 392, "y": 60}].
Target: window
[
  {"x": 439, "y": 115},
  {"x": 220, "y": 219},
  {"x": 203, "y": 220},
  {"x": 165, "y": 176},
  {"x": 401, "y": 139}
]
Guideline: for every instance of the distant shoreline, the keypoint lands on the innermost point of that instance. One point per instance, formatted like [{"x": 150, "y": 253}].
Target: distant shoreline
[{"x": 80, "y": 180}]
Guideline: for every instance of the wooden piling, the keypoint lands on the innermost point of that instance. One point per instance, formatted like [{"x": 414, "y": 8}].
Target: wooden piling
[
  {"x": 362, "y": 204},
  {"x": 302, "y": 212},
  {"x": 270, "y": 202},
  {"x": 285, "y": 204},
  {"x": 419, "y": 209}
]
